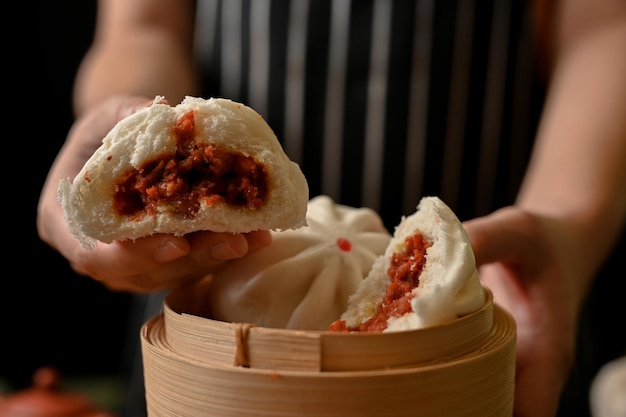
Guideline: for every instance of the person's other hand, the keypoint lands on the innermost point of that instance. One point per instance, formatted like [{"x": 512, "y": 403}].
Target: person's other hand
[
  {"x": 148, "y": 264},
  {"x": 522, "y": 259}
]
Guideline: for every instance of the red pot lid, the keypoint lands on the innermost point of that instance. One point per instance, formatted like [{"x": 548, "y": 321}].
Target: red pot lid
[{"x": 46, "y": 399}]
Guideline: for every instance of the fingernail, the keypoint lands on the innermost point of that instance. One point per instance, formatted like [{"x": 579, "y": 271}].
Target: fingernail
[
  {"x": 168, "y": 251},
  {"x": 263, "y": 239},
  {"x": 223, "y": 251}
]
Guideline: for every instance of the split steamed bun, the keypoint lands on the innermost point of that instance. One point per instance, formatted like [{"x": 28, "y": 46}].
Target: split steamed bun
[
  {"x": 304, "y": 278},
  {"x": 209, "y": 164},
  {"x": 447, "y": 278}
]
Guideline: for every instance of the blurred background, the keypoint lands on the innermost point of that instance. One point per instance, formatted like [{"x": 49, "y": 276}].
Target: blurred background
[{"x": 49, "y": 316}]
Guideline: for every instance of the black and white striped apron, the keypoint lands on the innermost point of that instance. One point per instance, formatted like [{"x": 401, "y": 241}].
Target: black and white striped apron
[{"x": 383, "y": 101}]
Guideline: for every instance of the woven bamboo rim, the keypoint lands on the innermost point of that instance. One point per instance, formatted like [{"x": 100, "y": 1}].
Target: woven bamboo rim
[{"x": 205, "y": 379}]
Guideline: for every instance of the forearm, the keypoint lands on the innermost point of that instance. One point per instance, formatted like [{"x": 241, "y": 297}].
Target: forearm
[
  {"x": 135, "y": 70},
  {"x": 578, "y": 171},
  {"x": 141, "y": 47}
]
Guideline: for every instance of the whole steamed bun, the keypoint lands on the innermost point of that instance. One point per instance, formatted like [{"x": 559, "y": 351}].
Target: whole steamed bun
[{"x": 303, "y": 280}]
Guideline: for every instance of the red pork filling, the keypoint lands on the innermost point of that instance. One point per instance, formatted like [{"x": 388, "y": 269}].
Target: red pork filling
[
  {"x": 196, "y": 172},
  {"x": 404, "y": 274}
]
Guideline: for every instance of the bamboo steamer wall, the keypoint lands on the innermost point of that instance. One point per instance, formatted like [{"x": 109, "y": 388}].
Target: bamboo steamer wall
[{"x": 195, "y": 366}]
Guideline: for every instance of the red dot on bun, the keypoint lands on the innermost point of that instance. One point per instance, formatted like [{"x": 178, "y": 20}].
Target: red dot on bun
[{"x": 344, "y": 244}]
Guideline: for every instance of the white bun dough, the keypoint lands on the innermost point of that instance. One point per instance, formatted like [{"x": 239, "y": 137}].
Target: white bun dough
[{"x": 304, "y": 278}]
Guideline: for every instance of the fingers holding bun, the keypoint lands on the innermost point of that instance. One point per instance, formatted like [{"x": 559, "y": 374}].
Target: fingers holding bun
[{"x": 204, "y": 164}]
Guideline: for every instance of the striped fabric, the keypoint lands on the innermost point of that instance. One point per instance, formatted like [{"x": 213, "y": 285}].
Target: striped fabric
[{"x": 383, "y": 101}]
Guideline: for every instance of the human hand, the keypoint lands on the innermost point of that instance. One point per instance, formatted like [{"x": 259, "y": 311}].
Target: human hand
[
  {"x": 522, "y": 259},
  {"x": 148, "y": 264}
]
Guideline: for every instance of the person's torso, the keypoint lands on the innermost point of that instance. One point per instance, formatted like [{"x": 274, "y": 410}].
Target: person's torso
[{"x": 382, "y": 101}]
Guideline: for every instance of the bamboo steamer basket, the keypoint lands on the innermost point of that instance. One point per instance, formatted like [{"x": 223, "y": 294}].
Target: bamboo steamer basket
[{"x": 197, "y": 366}]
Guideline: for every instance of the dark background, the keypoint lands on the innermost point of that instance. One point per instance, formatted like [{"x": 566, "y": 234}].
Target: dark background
[
  {"x": 48, "y": 314},
  {"x": 51, "y": 316}
]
